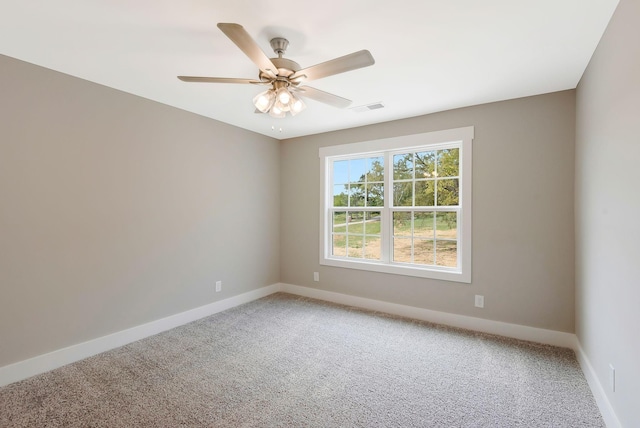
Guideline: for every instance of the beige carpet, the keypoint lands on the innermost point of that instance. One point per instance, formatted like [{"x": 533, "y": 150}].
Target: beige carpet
[{"x": 287, "y": 361}]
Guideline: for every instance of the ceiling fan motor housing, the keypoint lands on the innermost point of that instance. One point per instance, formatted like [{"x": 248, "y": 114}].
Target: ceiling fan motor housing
[{"x": 285, "y": 66}]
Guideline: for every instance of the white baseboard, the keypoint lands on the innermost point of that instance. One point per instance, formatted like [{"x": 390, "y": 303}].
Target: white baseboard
[
  {"x": 606, "y": 410},
  {"x": 52, "y": 360},
  {"x": 549, "y": 337}
]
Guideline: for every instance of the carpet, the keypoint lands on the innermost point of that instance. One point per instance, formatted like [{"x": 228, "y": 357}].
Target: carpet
[{"x": 289, "y": 361}]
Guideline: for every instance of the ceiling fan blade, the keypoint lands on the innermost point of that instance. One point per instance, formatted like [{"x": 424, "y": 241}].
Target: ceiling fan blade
[
  {"x": 349, "y": 62},
  {"x": 323, "y": 97},
  {"x": 217, "y": 80},
  {"x": 243, "y": 40}
]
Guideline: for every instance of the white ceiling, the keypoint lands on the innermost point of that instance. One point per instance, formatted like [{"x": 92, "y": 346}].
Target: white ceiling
[{"x": 431, "y": 55}]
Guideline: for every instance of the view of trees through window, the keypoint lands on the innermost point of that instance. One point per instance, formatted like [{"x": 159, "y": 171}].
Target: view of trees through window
[{"x": 423, "y": 209}]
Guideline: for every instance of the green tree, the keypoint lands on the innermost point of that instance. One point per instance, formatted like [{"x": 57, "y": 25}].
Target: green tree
[
  {"x": 403, "y": 170},
  {"x": 428, "y": 172},
  {"x": 341, "y": 200}
]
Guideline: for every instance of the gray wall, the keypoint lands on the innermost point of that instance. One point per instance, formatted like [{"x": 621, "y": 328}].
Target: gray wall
[
  {"x": 608, "y": 211},
  {"x": 523, "y": 230},
  {"x": 116, "y": 211}
]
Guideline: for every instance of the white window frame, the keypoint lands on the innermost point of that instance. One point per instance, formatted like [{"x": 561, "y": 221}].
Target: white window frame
[{"x": 432, "y": 140}]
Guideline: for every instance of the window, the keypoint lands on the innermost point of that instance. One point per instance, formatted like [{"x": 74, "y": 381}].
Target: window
[{"x": 400, "y": 205}]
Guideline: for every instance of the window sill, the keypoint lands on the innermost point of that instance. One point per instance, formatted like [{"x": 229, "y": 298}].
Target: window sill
[{"x": 396, "y": 269}]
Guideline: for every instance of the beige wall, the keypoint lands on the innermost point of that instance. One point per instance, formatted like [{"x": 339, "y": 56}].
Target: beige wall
[
  {"x": 115, "y": 210},
  {"x": 608, "y": 211},
  {"x": 523, "y": 234}
]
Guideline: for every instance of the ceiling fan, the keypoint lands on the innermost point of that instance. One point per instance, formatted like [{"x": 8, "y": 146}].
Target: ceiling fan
[{"x": 284, "y": 76}]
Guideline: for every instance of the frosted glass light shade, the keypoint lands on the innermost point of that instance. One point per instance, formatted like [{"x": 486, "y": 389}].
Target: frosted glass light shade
[
  {"x": 296, "y": 106},
  {"x": 281, "y": 106},
  {"x": 264, "y": 101},
  {"x": 277, "y": 112},
  {"x": 284, "y": 96}
]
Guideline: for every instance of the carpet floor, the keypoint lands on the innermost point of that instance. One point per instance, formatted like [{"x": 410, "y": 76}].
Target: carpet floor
[{"x": 289, "y": 361}]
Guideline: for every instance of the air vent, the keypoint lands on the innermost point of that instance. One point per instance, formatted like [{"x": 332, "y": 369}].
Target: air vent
[{"x": 361, "y": 109}]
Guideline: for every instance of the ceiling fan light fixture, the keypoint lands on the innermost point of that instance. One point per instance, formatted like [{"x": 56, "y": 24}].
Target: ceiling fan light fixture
[
  {"x": 284, "y": 96},
  {"x": 264, "y": 100},
  {"x": 270, "y": 101},
  {"x": 281, "y": 106},
  {"x": 275, "y": 111},
  {"x": 296, "y": 106}
]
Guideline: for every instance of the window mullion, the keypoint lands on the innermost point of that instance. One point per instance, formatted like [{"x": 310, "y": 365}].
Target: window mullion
[{"x": 386, "y": 227}]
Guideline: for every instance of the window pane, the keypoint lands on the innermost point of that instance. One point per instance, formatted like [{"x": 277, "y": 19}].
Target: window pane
[
  {"x": 339, "y": 245},
  {"x": 403, "y": 194},
  {"x": 356, "y": 222},
  {"x": 376, "y": 169},
  {"x": 448, "y": 162},
  {"x": 356, "y": 195},
  {"x": 402, "y": 250},
  {"x": 372, "y": 248},
  {"x": 448, "y": 192},
  {"x": 447, "y": 225},
  {"x": 339, "y": 222},
  {"x": 401, "y": 223},
  {"x": 425, "y": 193},
  {"x": 403, "y": 166},
  {"x": 425, "y": 164},
  {"x": 356, "y": 246},
  {"x": 423, "y": 251},
  {"x": 372, "y": 223},
  {"x": 423, "y": 224},
  {"x": 340, "y": 195},
  {"x": 340, "y": 172},
  {"x": 447, "y": 253},
  {"x": 357, "y": 169},
  {"x": 375, "y": 195}
]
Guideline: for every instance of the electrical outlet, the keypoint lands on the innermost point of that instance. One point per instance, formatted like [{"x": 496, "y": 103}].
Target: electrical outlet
[
  {"x": 612, "y": 378},
  {"x": 479, "y": 301},
  {"x": 316, "y": 276},
  {"x": 218, "y": 286}
]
